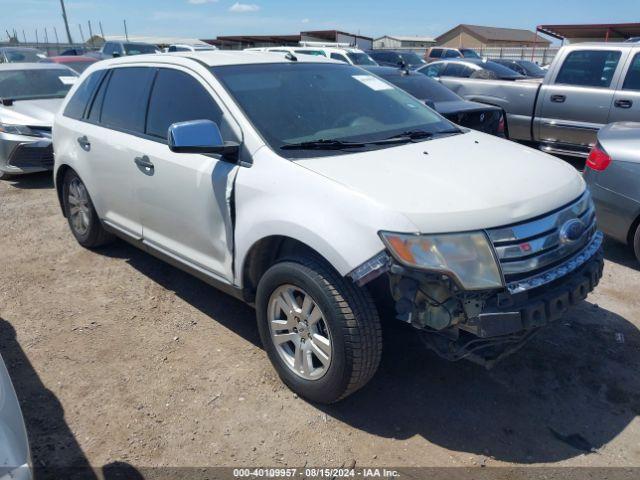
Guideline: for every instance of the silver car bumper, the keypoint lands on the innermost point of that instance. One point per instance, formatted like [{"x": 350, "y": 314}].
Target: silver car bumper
[{"x": 25, "y": 154}]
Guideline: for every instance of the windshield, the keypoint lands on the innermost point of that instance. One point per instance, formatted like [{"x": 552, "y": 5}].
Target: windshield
[
  {"x": 36, "y": 83},
  {"x": 531, "y": 68},
  {"x": 290, "y": 103},
  {"x": 80, "y": 66},
  {"x": 361, "y": 59},
  {"x": 138, "y": 48},
  {"x": 500, "y": 70},
  {"x": 422, "y": 87},
  {"x": 412, "y": 59},
  {"x": 468, "y": 53},
  {"x": 21, "y": 55}
]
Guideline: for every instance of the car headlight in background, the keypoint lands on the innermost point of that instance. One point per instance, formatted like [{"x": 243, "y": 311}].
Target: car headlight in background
[
  {"x": 18, "y": 130},
  {"x": 468, "y": 257}
]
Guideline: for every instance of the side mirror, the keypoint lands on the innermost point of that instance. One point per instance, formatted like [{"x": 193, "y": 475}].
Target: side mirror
[{"x": 200, "y": 136}]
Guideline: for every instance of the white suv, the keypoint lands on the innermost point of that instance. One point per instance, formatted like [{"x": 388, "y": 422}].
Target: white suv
[
  {"x": 320, "y": 194},
  {"x": 352, "y": 56}
]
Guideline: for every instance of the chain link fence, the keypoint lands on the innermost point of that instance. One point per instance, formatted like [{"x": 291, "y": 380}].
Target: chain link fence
[{"x": 51, "y": 49}]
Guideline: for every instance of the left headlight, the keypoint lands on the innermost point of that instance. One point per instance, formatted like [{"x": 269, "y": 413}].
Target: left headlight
[
  {"x": 18, "y": 130},
  {"x": 467, "y": 256}
]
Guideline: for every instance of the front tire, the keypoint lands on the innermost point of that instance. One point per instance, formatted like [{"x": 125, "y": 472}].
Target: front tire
[
  {"x": 636, "y": 243},
  {"x": 83, "y": 219},
  {"x": 321, "y": 332}
]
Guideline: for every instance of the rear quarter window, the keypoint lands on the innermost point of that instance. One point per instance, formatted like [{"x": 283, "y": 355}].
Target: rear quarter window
[{"x": 77, "y": 105}]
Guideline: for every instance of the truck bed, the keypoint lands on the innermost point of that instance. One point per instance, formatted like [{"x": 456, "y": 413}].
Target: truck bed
[{"x": 517, "y": 98}]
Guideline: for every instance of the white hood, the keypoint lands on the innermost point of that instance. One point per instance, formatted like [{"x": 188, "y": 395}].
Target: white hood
[
  {"x": 36, "y": 113},
  {"x": 463, "y": 182}
]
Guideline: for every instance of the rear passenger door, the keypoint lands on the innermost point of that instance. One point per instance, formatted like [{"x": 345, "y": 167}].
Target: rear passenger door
[
  {"x": 576, "y": 102},
  {"x": 626, "y": 100},
  {"x": 185, "y": 199},
  {"x": 111, "y": 133}
]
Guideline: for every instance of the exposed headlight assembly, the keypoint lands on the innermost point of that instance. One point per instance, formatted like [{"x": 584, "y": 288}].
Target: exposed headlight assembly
[
  {"x": 18, "y": 130},
  {"x": 468, "y": 257}
]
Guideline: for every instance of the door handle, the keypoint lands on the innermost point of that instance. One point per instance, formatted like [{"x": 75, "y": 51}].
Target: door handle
[
  {"x": 84, "y": 143},
  {"x": 558, "y": 98},
  {"x": 623, "y": 103},
  {"x": 144, "y": 164}
]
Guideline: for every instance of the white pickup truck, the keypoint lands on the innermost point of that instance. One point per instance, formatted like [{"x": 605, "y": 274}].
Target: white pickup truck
[
  {"x": 321, "y": 194},
  {"x": 588, "y": 85}
]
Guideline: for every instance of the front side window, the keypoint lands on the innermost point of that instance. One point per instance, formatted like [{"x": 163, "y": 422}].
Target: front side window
[
  {"x": 589, "y": 68},
  {"x": 78, "y": 103},
  {"x": 125, "y": 99},
  {"x": 36, "y": 83},
  {"x": 178, "y": 97},
  {"x": 457, "y": 70},
  {"x": 632, "y": 81},
  {"x": 292, "y": 103}
]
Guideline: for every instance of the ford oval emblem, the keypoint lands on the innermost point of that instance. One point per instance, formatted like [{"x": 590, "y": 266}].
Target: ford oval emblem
[{"x": 571, "y": 231}]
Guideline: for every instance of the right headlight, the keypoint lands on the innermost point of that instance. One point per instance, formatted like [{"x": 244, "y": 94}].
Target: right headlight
[{"x": 468, "y": 257}]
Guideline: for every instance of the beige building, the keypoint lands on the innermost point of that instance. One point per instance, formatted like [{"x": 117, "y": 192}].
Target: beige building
[{"x": 475, "y": 36}]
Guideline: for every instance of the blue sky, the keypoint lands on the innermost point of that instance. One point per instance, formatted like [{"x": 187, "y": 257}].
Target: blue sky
[{"x": 209, "y": 18}]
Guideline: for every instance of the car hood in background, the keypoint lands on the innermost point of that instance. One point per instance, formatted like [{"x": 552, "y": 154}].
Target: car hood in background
[
  {"x": 621, "y": 141},
  {"x": 463, "y": 106},
  {"x": 36, "y": 113},
  {"x": 462, "y": 182}
]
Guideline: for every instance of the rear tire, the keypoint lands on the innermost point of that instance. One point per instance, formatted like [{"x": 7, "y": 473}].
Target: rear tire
[
  {"x": 81, "y": 214},
  {"x": 337, "y": 313},
  {"x": 636, "y": 243}
]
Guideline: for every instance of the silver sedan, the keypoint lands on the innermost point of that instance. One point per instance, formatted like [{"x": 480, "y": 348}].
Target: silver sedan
[{"x": 613, "y": 175}]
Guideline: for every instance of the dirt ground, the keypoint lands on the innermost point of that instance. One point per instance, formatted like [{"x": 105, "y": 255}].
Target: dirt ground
[{"x": 118, "y": 357}]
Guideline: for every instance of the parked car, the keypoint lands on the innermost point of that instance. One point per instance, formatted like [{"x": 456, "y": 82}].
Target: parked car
[
  {"x": 120, "y": 49},
  {"x": 469, "y": 68},
  {"x": 613, "y": 175},
  {"x": 30, "y": 95},
  {"x": 396, "y": 58},
  {"x": 76, "y": 63},
  {"x": 526, "y": 68},
  {"x": 76, "y": 51},
  {"x": 588, "y": 86},
  {"x": 15, "y": 457},
  {"x": 190, "y": 48},
  {"x": 352, "y": 56},
  {"x": 20, "y": 55},
  {"x": 478, "y": 116},
  {"x": 304, "y": 185},
  {"x": 440, "y": 53},
  {"x": 633, "y": 40}
]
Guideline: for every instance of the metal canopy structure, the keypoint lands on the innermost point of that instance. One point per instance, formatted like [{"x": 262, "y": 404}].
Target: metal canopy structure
[{"x": 605, "y": 31}]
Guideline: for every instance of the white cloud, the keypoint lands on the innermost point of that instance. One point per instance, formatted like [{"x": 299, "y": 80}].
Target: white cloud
[
  {"x": 200, "y": 2},
  {"x": 305, "y": 20},
  {"x": 244, "y": 7}
]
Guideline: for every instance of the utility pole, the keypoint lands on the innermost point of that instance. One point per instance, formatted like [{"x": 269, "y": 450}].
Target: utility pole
[
  {"x": 24, "y": 36},
  {"x": 37, "y": 37},
  {"x": 101, "y": 31},
  {"x": 46, "y": 35},
  {"x": 90, "y": 32},
  {"x": 56, "y": 33},
  {"x": 81, "y": 34},
  {"x": 66, "y": 23},
  {"x": 126, "y": 35}
]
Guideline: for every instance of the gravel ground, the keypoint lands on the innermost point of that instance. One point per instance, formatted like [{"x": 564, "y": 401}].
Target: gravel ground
[{"x": 118, "y": 357}]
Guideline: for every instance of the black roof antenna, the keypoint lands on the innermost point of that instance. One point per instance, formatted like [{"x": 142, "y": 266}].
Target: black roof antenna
[{"x": 290, "y": 56}]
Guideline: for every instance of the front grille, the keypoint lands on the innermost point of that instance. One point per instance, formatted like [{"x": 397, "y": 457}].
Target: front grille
[
  {"x": 529, "y": 248},
  {"x": 28, "y": 155}
]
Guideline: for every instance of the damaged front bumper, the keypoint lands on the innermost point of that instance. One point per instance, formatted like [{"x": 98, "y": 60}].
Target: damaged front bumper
[{"x": 486, "y": 326}]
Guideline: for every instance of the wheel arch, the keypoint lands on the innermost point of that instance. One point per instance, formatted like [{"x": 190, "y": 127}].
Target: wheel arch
[
  {"x": 265, "y": 252},
  {"x": 58, "y": 181}
]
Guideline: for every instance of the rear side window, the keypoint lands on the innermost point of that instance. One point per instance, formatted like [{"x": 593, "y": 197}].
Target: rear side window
[
  {"x": 78, "y": 103},
  {"x": 589, "y": 68},
  {"x": 632, "y": 81},
  {"x": 178, "y": 97},
  {"x": 124, "y": 104}
]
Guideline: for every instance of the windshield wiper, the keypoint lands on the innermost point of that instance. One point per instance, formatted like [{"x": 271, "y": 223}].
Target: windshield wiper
[
  {"x": 322, "y": 144},
  {"x": 411, "y": 135}
]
